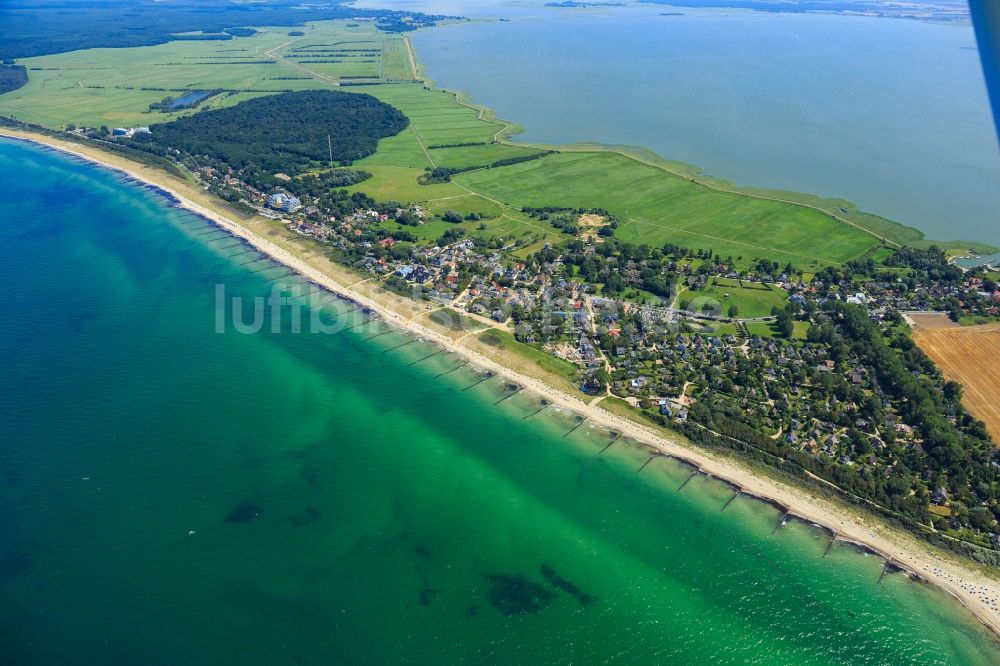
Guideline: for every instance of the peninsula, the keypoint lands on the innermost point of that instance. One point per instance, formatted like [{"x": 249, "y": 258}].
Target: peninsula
[{"x": 699, "y": 318}]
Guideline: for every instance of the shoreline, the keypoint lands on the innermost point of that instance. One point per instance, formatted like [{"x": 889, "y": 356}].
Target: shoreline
[
  {"x": 901, "y": 551},
  {"x": 884, "y": 229}
]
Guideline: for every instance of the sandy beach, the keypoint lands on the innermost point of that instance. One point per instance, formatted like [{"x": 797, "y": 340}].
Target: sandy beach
[{"x": 978, "y": 592}]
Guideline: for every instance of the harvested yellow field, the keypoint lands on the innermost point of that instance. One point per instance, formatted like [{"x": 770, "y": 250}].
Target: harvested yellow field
[
  {"x": 930, "y": 320},
  {"x": 969, "y": 355}
]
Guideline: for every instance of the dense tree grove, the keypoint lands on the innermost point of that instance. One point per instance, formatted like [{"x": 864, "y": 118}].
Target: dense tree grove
[
  {"x": 289, "y": 132},
  {"x": 317, "y": 184},
  {"x": 12, "y": 77}
]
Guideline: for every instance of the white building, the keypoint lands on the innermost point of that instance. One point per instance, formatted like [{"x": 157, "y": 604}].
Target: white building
[{"x": 284, "y": 202}]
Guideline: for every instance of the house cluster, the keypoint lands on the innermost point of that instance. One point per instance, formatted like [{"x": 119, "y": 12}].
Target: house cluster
[
  {"x": 653, "y": 356},
  {"x": 971, "y": 294},
  {"x": 812, "y": 400}
]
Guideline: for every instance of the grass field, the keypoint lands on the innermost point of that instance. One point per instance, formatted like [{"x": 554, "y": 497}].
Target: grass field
[
  {"x": 969, "y": 355},
  {"x": 104, "y": 86},
  {"x": 399, "y": 183},
  {"x": 656, "y": 207},
  {"x": 502, "y": 340},
  {"x": 461, "y": 157},
  {"x": 753, "y": 299},
  {"x": 766, "y": 329}
]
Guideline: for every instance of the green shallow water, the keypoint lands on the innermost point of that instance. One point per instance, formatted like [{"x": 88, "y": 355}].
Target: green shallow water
[{"x": 347, "y": 505}]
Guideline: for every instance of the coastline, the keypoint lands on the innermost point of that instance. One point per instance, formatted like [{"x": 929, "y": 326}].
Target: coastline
[
  {"x": 885, "y": 230},
  {"x": 690, "y": 172},
  {"x": 900, "y": 550}
]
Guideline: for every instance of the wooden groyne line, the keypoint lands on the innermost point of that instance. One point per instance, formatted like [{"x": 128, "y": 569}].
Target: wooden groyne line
[
  {"x": 408, "y": 342},
  {"x": 730, "y": 500},
  {"x": 378, "y": 335},
  {"x": 688, "y": 480},
  {"x": 366, "y": 321},
  {"x": 885, "y": 569},
  {"x": 489, "y": 376},
  {"x": 212, "y": 230},
  {"x": 420, "y": 360},
  {"x": 544, "y": 405},
  {"x": 448, "y": 372},
  {"x": 509, "y": 395},
  {"x": 829, "y": 546},
  {"x": 267, "y": 268},
  {"x": 614, "y": 438},
  {"x": 570, "y": 431},
  {"x": 323, "y": 303},
  {"x": 341, "y": 314},
  {"x": 648, "y": 460},
  {"x": 781, "y": 521},
  {"x": 282, "y": 276},
  {"x": 250, "y": 261}
]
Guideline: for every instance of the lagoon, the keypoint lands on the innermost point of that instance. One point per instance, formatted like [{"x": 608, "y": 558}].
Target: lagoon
[{"x": 889, "y": 114}]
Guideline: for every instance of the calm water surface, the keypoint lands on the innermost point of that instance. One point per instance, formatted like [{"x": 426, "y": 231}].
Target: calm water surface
[
  {"x": 889, "y": 114},
  {"x": 174, "y": 495}
]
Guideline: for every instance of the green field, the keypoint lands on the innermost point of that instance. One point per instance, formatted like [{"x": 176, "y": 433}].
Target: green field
[
  {"x": 656, "y": 207},
  {"x": 753, "y": 299},
  {"x": 105, "y": 87},
  {"x": 399, "y": 183},
  {"x": 766, "y": 329},
  {"x": 462, "y": 157},
  {"x": 111, "y": 86},
  {"x": 505, "y": 341}
]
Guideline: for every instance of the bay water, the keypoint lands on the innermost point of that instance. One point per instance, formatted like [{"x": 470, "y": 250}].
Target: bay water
[{"x": 889, "y": 114}]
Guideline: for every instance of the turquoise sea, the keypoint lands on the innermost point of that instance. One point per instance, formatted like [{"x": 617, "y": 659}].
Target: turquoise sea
[
  {"x": 889, "y": 114},
  {"x": 172, "y": 494}
]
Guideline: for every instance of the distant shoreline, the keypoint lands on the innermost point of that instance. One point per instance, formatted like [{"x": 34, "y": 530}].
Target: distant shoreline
[
  {"x": 882, "y": 228},
  {"x": 901, "y": 551}
]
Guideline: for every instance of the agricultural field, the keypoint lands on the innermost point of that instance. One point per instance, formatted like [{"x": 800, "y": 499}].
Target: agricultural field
[
  {"x": 969, "y": 355},
  {"x": 436, "y": 118},
  {"x": 116, "y": 86},
  {"x": 467, "y": 204},
  {"x": 113, "y": 86},
  {"x": 398, "y": 183},
  {"x": 463, "y": 157},
  {"x": 656, "y": 207},
  {"x": 332, "y": 52},
  {"x": 437, "y": 123}
]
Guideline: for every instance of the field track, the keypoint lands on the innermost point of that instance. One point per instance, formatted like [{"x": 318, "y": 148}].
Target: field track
[{"x": 969, "y": 355}]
